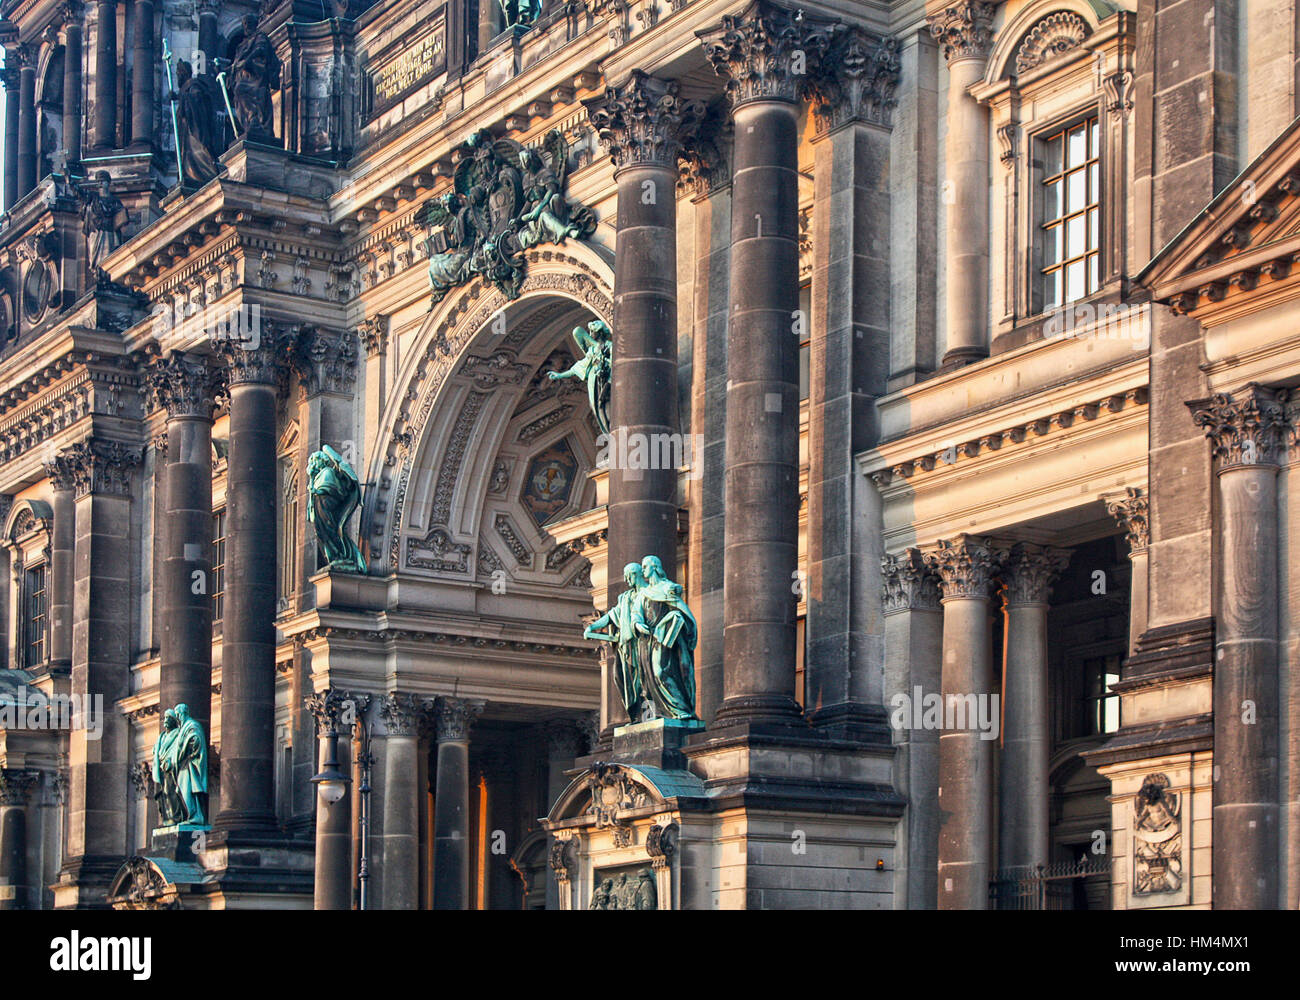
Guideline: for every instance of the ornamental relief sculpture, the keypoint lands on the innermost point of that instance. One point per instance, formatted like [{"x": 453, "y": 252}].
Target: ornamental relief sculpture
[{"x": 1157, "y": 838}]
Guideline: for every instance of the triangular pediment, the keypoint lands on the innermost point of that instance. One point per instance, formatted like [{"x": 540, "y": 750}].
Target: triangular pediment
[{"x": 1245, "y": 241}]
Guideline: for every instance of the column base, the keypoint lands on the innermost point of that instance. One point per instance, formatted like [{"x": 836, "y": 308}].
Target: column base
[
  {"x": 959, "y": 357},
  {"x": 853, "y": 721},
  {"x": 781, "y": 709}
]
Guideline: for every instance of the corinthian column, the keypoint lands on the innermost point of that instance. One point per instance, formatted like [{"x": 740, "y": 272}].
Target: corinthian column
[
  {"x": 453, "y": 718},
  {"x": 913, "y": 669},
  {"x": 334, "y": 712},
  {"x": 185, "y": 386},
  {"x": 1130, "y": 509},
  {"x": 1026, "y": 733},
  {"x": 248, "y": 626},
  {"x": 964, "y": 31},
  {"x": 965, "y": 567},
  {"x": 765, "y": 54},
  {"x": 15, "y": 787},
  {"x": 1246, "y": 430},
  {"x": 22, "y": 58},
  {"x": 401, "y": 848},
  {"x": 62, "y": 560},
  {"x": 644, "y": 123}
]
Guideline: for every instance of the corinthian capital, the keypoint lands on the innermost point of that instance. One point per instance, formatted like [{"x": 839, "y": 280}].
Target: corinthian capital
[
  {"x": 259, "y": 355},
  {"x": 401, "y": 713},
  {"x": 909, "y": 583},
  {"x": 1247, "y": 427},
  {"x": 183, "y": 384},
  {"x": 643, "y": 122},
  {"x": 335, "y": 710},
  {"x": 964, "y": 29},
  {"x": 965, "y": 566},
  {"x": 326, "y": 361},
  {"x": 1028, "y": 572},
  {"x": 15, "y": 785},
  {"x": 767, "y": 53},
  {"x": 1130, "y": 509},
  {"x": 97, "y": 466},
  {"x": 859, "y": 76},
  {"x": 453, "y": 718}
]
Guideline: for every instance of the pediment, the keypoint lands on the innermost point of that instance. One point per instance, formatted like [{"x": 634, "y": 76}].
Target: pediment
[{"x": 1245, "y": 241}]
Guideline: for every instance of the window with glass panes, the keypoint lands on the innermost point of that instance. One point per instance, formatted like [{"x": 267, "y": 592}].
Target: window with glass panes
[
  {"x": 34, "y": 615},
  {"x": 218, "y": 564},
  {"x": 804, "y": 331},
  {"x": 1100, "y": 707},
  {"x": 1071, "y": 214}
]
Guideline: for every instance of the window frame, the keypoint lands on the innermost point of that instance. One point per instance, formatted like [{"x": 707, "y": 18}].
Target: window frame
[
  {"x": 1092, "y": 212},
  {"x": 26, "y": 615}
]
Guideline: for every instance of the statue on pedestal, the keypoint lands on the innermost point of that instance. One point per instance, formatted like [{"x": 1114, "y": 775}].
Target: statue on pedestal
[
  {"x": 334, "y": 492},
  {"x": 594, "y": 367},
  {"x": 180, "y": 770},
  {"x": 254, "y": 75},
  {"x": 103, "y": 217},
  {"x": 620, "y": 625},
  {"x": 197, "y": 125}
]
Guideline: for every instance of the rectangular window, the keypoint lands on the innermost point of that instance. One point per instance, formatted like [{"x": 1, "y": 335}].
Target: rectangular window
[
  {"x": 218, "y": 564},
  {"x": 34, "y": 616},
  {"x": 1100, "y": 707},
  {"x": 1071, "y": 214}
]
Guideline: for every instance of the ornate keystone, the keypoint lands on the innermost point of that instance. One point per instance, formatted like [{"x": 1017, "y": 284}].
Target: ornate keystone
[
  {"x": 453, "y": 718},
  {"x": 1131, "y": 511},
  {"x": 965, "y": 565},
  {"x": 643, "y": 122},
  {"x": 768, "y": 53},
  {"x": 909, "y": 583},
  {"x": 184, "y": 385},
  {"x": 97, "y": 466},
  {"x": 860, "y": 74},
  {"x": 1029, "y": 570},
  {"x": 964, "y": 30},
  {"x": 1248, "y": 427}
]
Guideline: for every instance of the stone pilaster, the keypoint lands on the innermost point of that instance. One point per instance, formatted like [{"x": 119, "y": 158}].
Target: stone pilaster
[
  {"x": 186, "y": 387},
  {"x": 1026, "y": 725},
  {"x": 335, "y": 712},
  {"x": 913, "y": 668},
  {"x": 1247, "y": 430},
  {"x": 106, "y": 70},
  {"x": 1131, "y": 510},
  {"x": 248, "y": 629},
  {"x": 965, "y": 566},
  {"x": 62, "y": 560},
  {"x": 15, "y": 788},
  {"x": 401, "y": 713},
  {"x": 645, "y": 124},
  {"x": 964, "y": 32},
  {"x": 765, "y": 54},
  {"x": 453, "y": 718},
  {"x": 73, "y": 13},
  {"x": 848, "y": 368}
]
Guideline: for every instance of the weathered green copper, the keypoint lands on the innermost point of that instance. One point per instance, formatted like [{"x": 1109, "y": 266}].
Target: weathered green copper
[
  {"x": 334, "y": 493},
  {"x": 521, "y": 13},
  {"x": 594, "y": 367},
  {"x": 180, "y": 770},
  {"x": 505, "y": 199},
  {"x": 654, "y": 633}
]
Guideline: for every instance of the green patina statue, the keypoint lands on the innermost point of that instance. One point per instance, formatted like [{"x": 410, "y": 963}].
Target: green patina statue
[
  {"x": 335, "y": 492},
  {"x": 594, "y": 367},
  {"x": 654, "y": 635},
  {"x": 180, "y": 770}
]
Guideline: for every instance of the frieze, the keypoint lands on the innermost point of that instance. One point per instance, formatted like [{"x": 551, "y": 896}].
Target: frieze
[{"x": 385, "y": 637}]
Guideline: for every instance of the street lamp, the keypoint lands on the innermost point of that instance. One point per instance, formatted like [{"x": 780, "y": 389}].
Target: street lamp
[{"x": 331, "y": 784}]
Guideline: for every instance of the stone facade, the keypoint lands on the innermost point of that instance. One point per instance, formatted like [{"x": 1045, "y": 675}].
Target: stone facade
[{"x": 975, "y": 468}]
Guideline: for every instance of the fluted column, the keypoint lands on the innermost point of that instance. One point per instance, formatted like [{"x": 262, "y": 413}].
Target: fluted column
[
  {"x": 1130, "y": 510},
  {"x": 913, "y": 670},
  {"x": 72, "y": 13},
  {"x": 248, "y": 626},
  {"x": 644, "y": 123},
  {"x": 401, "y": 714},
  {"x": 1246, "y": 429},
  {"x": 11, "y": 76},
  {"x": 106, "y": 69},
  {"x": 453, "y": 718},
  {"x": 966, "y": 755},
  {"x": 142, "y": 75},
  {"x": 26, "y": 123},
  {"x": 15, "y": 787},
  {"x": 334, "y": 712},
  {"x": 186, "y": 387},
  {"x": 964, "y": 32},
  {"x": 764, "y": 54},
  {"x": 1026, "y": 726},
  {"x": 62, "y": 560}
]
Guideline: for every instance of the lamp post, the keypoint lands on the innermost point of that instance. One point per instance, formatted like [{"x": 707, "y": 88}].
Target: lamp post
[
  {"x": 366, "y": 759},
  {"x": 333, "y": 882}
]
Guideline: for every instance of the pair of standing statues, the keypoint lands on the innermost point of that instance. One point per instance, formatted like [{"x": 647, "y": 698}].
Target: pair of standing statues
[
  {"x": 180, "y": 769},
  {"x": 654, "y": 635}
]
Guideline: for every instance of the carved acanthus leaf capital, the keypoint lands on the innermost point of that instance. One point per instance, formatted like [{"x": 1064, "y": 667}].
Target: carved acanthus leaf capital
[
  {"x": 966, "y": 566},
  {"x": 964, "y": 29},
  {"x": 1028, "y": 571},
  {"x": 644, "y": 121},
  {"x": 859, "y": 77},
  {"x": 909, "y": 584},
  {"x": 453, "y": 718},
  {"x": 261, "y": 357},
  {"x": 374, "y": 335},
  {"x": 334, "y": 710},
  {"x": 98, "y": 466},
  {"x": 16, "y": 785},
  {"x": 1131, "y": 511},
  {"x": 768, "y": 53},
  {"x": 401, "y": 713},
  {"x": 1247, "y": 427},
  {"x": 326, "y": 361},
  {"x": 185, "y": 385}
]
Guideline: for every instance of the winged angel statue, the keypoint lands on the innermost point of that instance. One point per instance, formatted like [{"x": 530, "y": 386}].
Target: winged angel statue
[{"x": 504, "y": 199}]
